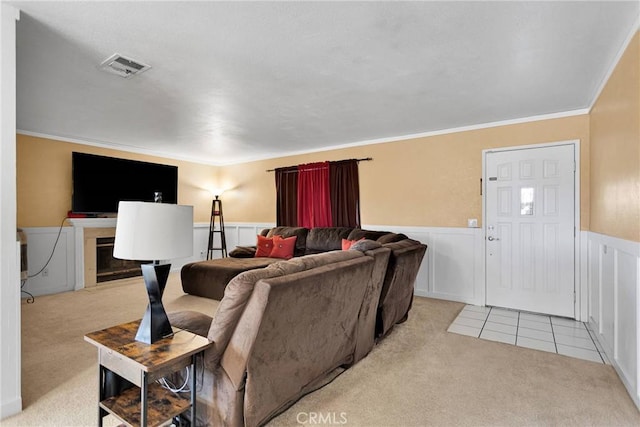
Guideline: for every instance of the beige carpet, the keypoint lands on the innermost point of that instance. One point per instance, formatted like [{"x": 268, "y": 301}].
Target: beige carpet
[{"x": 420, "y": 375}]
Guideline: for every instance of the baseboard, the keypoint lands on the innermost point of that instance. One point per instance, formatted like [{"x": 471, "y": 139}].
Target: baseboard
[{"x": 11, "y": 407}]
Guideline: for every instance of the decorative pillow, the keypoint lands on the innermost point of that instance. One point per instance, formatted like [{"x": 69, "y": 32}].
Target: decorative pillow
[
  {"x": 346, "y": 244},
  {"x": 264, "y": 246},
  {"x": 365, "y": 245},
  {"x": 283, "y": 247}
]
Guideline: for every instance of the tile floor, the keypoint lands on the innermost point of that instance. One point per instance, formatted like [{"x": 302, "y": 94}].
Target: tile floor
[{"x": 536, "y": 331}]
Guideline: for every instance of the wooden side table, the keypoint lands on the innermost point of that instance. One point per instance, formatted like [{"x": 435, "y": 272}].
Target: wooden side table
[{"x": 148, "y": 404}]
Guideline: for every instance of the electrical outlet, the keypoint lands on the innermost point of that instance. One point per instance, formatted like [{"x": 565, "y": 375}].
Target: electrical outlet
[
  {"x": 45, "y": 272},
  {"x": 472, "y": 223}
]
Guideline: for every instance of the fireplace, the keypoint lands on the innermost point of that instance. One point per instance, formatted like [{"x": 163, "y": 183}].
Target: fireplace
[{"x": 110, "y": 268}]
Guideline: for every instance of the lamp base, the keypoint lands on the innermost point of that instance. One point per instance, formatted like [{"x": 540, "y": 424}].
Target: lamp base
[{"x": 155, "y": 323}]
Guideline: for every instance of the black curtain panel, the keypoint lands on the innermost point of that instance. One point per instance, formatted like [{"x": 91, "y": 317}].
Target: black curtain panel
[
  {"x": 345, "y": 193},
  {"x": 287, "y": 196}
]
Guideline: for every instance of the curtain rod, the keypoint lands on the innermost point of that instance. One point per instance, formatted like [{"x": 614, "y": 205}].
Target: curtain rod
[{"x": 366, "y": 159}]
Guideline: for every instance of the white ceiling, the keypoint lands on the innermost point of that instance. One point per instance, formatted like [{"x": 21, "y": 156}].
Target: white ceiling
[{"x": 238, "y": 81}]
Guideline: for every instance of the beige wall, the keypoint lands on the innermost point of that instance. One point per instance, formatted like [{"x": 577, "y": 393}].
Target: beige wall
[
  {"x": 44, "y": 180},
  {"x": 432, "y": 181},
  {"x": 615, "y": 151}
]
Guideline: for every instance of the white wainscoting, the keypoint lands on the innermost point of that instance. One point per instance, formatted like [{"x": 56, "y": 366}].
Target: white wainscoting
[
  {"x": 614, "y": 304},
  {"x": 236, "y": 234},
  {"x": 453, "y": 267},
  {"x": 59, "y": 275},
  {"x": 65, "y": 271}
]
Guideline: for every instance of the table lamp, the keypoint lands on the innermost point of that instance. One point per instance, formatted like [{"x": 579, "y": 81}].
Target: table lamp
[{"x": 154, "y": 231}]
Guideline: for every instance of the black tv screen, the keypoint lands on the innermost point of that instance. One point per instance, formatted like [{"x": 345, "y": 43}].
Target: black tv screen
[{"x": 100, "y": 182}]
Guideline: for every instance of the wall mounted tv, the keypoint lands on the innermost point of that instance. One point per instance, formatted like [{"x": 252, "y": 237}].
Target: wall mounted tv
[{"x": 100, "y": 182}]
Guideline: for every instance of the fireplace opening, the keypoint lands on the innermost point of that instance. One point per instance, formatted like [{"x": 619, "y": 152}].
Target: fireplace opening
[{"x": 110, "y": 268}]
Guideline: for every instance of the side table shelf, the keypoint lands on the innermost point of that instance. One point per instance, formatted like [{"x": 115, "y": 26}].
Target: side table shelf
[
  {"x": 163, "y": 405},
  {"x": 146, "y": 403}
]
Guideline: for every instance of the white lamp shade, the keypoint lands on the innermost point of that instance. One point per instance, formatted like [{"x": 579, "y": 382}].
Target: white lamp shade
[{"x": 153, "y": 231}]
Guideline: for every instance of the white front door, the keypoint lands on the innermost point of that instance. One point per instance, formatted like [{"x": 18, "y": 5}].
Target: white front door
[{"x": 529, "y": 232}]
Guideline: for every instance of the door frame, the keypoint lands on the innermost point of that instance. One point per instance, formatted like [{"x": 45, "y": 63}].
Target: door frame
[{"x": 581, "y": 293}]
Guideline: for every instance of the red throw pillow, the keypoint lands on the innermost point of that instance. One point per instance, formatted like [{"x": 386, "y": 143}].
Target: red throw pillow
[
  {"x": 346, "y": 244},
  {"x": 264, "y": 246},
  {"x": 283, "y": 248}
]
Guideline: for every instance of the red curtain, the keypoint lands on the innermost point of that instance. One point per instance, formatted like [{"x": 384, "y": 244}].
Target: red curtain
[{"x": 314, "y": 200}]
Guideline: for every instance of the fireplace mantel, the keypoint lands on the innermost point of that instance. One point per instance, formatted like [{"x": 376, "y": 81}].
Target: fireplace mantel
[{"x": 92, "y": 222}]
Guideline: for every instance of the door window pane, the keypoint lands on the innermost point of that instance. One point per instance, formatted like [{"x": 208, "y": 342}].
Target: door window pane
[{"x": 526, "y": 200}]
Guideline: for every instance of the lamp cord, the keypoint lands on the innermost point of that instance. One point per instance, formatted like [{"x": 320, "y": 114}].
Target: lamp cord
[
  {"x": 31, "y": 299},
  {"x": 52, "y": 251}
]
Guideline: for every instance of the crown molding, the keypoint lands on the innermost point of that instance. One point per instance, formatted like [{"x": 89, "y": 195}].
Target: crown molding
[
  {"x": 605, "y": 79},
  {"x": 271, "y": 156}
]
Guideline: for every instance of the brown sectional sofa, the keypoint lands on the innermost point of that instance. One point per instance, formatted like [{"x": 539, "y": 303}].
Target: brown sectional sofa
[
  {"x": 285, "y": 330},
  {"x": 290, "y": 327},
  {"x": 209, "y": 278}
]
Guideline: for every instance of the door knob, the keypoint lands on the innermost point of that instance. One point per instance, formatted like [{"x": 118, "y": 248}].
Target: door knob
[{"x": 491, "y": 238}]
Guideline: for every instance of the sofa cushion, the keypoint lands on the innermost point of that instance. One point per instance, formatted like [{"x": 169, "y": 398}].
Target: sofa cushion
[
  {"x": 283, "y": 247},
  {"x": 365, "y": 245},
  {"x": 358, "y": 233},
  {"x": 324, "y": 239},
  {"x": 264, "y": 246},
  {"x": 243, "y": 252},
  {"x": 191, "y": 321},
  {"x": 240, "y": 288},
  {"x": 299, "y": 232},
  {"x": 391, "y": 238}
]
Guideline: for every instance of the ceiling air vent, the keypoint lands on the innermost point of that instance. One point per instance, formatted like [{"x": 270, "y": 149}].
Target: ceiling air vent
[{"x": 123, "y": 66}]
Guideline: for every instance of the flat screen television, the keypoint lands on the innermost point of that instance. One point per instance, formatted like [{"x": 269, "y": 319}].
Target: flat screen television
[{"x": 100, "y": 182}]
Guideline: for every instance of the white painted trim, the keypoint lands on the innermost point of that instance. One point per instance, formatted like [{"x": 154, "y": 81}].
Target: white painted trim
[
  {"x": 10, "y": 310},
  {"x": 614, "y": 63},
  {"x": 583, "y": 277},
  {"x": 581, "y": 288},
  {"x": 130, "y": 149}
]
